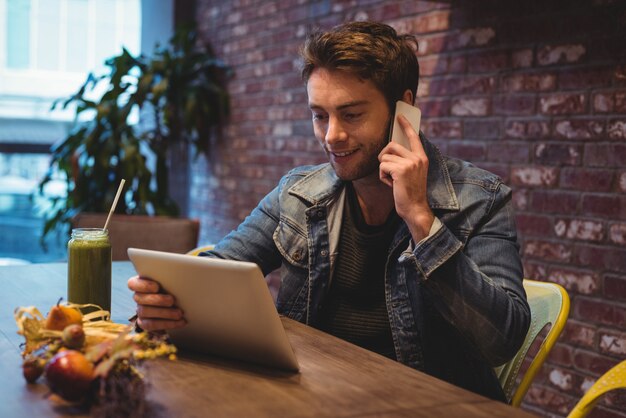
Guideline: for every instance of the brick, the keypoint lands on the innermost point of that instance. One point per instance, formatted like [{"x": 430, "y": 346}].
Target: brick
[
  {"x": 615, "y": 287},
  {"x": 434, "y": 107},
  {"x": 622, "y": 182},
  {"x": 442, "y": 128},
  {"x": 604, "y": 205},
  {"x": 433, "y": 65},
  {"x": 579, "y": 129},
  {"x": 282, "y": 129},
  {"x": 613, "y": 343},
  {"x": 571, "y": 79},
  {"x": 560, "y": 54},
  {"x": 592, "y": 363},
  {"x": 619, "y": 102},
  {"x": 457, "y": 64},
  {"x": 521, "y": 129},
  {"x": 487, "y": 62},
  {"x": 562, "y": 379},
  {"x": 616, "y": 129},
  {"x": 562, "y": 104},
  {"x": 601, "y": 257},
  {"x": 579, "y": 333},
  {"x": 557, "y": 154},
  {"x": 548, "y": 400},
  {"x": 432, "y": 22},
  {"x": 530, "y": 225},
  {"x": 534, "y": 271},
  {"x": 433, "y": 44},
  {"x": 499, "y": 169},
  {"x": 598, "y": 311},
  {"x": 602, "y": 102},
  {"x": 467, "y": 150},
  {"x": 477, "y": 85},
  {"x": 481, "y": 129},
  {"x": 520, "y": 199},
  {"x": 474, "y": 37},
  {"x": 522, "y": 58},
  {"x": 444, "y": 86},
  {"x": 605, "y": 155},
  {"x": 546, "y": 250},
  {"x": 470, "y": 107},
  {"x": 617, "y": 233},
  {"x": 554, "y": 201},
  {"x": 579, "y": 229},
  {"x": 511, "y": 152},
  {"x": 528, "y": 82},
  {"x": 517, "y": 104},
  {"x": 610, "y": 102},
  {"x": 534, "y": 176},
  {"x": 561, "y": 355},
  {"x": 589, "y": 179},
  {"x": 579, "y": 281}
]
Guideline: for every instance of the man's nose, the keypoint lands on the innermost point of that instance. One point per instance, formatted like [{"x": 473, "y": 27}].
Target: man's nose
[{"x": 335, "y": 131}]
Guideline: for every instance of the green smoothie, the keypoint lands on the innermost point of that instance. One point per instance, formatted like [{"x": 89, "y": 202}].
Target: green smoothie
[{"x": 89, "y": 267}]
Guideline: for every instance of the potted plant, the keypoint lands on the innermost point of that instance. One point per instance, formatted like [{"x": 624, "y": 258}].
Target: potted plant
[{"x": 179, "y": 91}]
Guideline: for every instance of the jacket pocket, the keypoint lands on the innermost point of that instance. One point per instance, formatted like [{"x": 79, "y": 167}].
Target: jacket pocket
[{"x": 292, "y": 243}]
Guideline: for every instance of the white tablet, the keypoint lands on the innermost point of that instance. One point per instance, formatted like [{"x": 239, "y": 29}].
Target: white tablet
[{"x": 227, "y": 304}]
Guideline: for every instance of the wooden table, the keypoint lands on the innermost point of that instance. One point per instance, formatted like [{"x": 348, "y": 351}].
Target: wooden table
[{"x": 337, "y": 379}]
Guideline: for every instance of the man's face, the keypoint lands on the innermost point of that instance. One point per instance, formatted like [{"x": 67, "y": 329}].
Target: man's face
[{"x": 351, "y": 121}]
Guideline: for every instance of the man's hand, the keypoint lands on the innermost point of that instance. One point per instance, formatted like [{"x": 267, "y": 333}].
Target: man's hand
[
  {"x": 155, "y": 311},
  {"x": 406, "y": 171}
]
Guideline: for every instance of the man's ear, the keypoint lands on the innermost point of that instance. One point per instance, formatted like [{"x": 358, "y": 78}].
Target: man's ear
[{"x": 407, "y": 97}]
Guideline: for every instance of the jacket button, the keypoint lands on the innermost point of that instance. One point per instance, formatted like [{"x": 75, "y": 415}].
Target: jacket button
[
  {"x": 324, "y": 253},
  {"x": 297, "y": 255},
  {"x": 320, "y": 214}
]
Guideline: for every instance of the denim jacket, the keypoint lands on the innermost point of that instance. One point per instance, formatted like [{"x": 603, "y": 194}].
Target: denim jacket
[{"x": 455, "y": 302}]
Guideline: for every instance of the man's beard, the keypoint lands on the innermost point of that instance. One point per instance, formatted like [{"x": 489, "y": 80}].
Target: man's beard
[{"x": 370, "y": 164}]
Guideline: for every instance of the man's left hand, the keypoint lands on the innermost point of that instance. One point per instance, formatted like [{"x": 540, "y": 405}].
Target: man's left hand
[{"x": 406, "y": 171}]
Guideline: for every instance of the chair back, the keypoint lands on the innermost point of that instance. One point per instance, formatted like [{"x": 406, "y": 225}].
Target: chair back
[
  {"x": 549, "y": 305},
  {"x": 198, "y": 250},
  {"x": 177, "y": 235},
  {"x": 613, "y": 379}
]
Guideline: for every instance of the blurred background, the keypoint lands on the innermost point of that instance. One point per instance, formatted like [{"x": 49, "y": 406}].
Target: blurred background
[{"x": 533, "y": 90}]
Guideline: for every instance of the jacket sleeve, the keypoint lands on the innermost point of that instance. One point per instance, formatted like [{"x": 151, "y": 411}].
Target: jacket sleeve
[
  {"x": 252, "y": 240},
  {"x": 474, "y": 279}
]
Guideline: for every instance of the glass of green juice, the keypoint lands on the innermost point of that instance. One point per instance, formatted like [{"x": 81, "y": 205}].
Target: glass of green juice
[{"x": 89, "y": 267}]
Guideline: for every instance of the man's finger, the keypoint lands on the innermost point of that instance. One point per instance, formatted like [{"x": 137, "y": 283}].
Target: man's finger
[
  {"x": 154, "y": 299},
  {"x": 143, "y": 285},
  {"x": 159, "y": 313},
  {"x": 414, "y": 139},
  {"x": 159, "y": 324}
]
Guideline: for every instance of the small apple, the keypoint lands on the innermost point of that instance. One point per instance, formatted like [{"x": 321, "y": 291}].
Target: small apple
[
  {"x": 69, "y": 375},
  {"x": 32, "y": 368},
  {"x": 74, "y": 336}
]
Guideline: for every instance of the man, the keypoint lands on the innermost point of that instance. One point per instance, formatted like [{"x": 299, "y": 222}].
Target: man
[{"x": 402, "y": 251}]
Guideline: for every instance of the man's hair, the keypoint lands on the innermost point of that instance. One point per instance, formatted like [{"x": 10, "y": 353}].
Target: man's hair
[{"x": 371, "y": 51}]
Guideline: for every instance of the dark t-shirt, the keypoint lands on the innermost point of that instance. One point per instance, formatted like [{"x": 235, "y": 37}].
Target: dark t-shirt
[{"x": 354, "y": 308}]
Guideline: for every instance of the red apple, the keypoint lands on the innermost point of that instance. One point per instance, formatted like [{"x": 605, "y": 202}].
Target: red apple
[{"x": 69, "y": 375}]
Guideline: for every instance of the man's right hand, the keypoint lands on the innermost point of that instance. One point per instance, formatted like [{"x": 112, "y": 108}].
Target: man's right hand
[{"x": 155, "y": 310}]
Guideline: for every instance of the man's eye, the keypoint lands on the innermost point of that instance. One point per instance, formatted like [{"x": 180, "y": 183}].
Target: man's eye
[
  {"x": 352, "y": 116},
  {"x": 319, "y": 116}
]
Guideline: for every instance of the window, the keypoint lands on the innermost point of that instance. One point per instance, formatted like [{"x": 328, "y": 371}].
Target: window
[{"x": 47, "y": 48}]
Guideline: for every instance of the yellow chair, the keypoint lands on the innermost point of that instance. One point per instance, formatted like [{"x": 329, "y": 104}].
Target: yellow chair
[
  {"x": 549, "y": 305},
  {"x": 198, "y": 250},
  {"x": 613, "y": 379}
]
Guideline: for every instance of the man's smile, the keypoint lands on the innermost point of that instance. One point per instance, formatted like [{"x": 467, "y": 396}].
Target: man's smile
[{"x": 342, "y": 153}]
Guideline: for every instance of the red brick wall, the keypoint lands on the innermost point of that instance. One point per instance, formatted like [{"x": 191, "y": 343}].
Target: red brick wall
[{"x": 534, "y": 92}]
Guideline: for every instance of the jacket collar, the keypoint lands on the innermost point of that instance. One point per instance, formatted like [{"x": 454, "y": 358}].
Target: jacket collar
[{"x": 322, "y": 183}]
